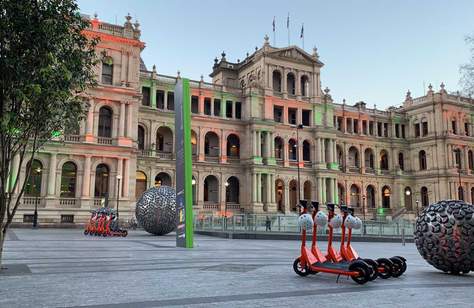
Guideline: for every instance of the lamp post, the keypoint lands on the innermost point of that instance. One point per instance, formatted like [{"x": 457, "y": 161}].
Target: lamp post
[
  {"x": 298, "y": 127},
  {"x": 225, "y": 205},
  {"x": 458, "y": 155},
  {"x": 363, "y": 212},
  {"x": 417, "y": 210},
  {"x": 119, "y": 177},
  {"x": 35, "y": 214}
]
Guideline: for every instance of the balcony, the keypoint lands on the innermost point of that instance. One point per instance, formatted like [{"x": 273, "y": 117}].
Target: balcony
[
  {"x": 104, "y": 140},
  {"x": 164, "y": 155},
  {"x": 279, "y": 162},
  {"x": 72, "y": 138},
  {"x": 68, "y": 203},
  {"x": 211, "y": 159},
  {"x": 353, "y": 169},
  {"x": 307, "y": 164},
  {"x": 210, "y": 206},
  {"x": 369, "y": 170},
  {"x": 233, "y": 206},
  {"x": 233, "y": 159},
  {"x": 32, "y": 201}
]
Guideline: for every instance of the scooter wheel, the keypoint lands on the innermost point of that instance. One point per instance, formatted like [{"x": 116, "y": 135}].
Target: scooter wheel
[
  {"x": 86, "y": 232},
  {"x": 404, "y": 266},
  {"x": 387, "y": 267},
  {"x": 125, "y": 233},
  {"x": 375, "y": 268},
  {"x": 398, "y": 267},
  {"x": 300, "y": 269},
  {"x": 363, "y": 269}
]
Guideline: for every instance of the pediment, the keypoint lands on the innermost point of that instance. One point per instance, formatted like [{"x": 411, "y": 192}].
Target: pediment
[{"x": 293, "y": 53}]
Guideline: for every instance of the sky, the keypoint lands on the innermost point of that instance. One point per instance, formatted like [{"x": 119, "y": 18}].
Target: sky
[{"x": 373, "y": 50}]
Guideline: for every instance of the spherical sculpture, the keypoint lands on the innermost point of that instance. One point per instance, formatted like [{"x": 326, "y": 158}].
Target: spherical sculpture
[
  {"x": 156, "y": 210},
  {"x": 444, "y": 236}
]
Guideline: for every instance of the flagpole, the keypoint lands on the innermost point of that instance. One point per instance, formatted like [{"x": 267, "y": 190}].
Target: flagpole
[
  {"x": 288, "y": 27},
  {"x": 302, "y": 32},
  {"x": 274, "y": 36}
]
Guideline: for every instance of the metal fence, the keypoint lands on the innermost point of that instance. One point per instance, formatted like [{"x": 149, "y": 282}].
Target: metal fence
[{"x": 289, "y": 224}]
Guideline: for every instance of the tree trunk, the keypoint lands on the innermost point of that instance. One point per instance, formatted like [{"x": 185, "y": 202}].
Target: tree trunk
[{"x": 2, "y": 240}]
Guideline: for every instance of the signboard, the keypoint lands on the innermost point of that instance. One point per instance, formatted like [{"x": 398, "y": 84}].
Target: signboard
[{"x": 184, "y": 204}]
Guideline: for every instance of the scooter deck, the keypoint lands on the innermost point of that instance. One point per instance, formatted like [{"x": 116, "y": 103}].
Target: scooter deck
[{"x": 331, "y": 265}]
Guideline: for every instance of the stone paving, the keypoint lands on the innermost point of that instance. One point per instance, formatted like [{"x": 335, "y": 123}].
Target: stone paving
[{"x": 63, "y": 268}]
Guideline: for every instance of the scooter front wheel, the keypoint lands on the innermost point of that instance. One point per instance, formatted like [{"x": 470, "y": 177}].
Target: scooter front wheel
[
  {"x": 364, "y": 272},
  {"x": 375, "y": 268},
  {"x": 299, "y": 268},
  {"x": 399, "y": 267},
  {"x": 387, "y": 266}
]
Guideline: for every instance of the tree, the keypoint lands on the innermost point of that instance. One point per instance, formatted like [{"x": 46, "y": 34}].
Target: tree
[
  {"x": 467, "y": 70},
  {"x": 46, "y": 65}
]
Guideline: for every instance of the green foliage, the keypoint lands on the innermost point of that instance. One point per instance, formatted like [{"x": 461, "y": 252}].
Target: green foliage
[{"x": 467, "y": 70}]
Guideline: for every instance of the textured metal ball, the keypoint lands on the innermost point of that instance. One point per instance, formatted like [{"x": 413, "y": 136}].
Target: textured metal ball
[
  {"x": 444, "y": 236},
  {"x": 156, "y": 210}
]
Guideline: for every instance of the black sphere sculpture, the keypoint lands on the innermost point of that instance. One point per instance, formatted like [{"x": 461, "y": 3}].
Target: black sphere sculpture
[
  {"x": 444, "y": 236},
  {"x": 156, "y": 210}
]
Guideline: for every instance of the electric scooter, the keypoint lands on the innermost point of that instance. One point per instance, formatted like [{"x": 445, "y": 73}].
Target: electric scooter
[
  {"x": 308, "y": 262},
  {"x": 388, "y": 267}
]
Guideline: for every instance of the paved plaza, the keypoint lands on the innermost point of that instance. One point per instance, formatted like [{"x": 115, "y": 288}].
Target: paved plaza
[{"x": 63, "y": 268}]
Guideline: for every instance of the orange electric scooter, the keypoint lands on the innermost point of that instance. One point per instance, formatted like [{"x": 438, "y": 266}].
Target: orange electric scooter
[
  {"x": 388, "y": 267},
  {"x": 309, "y": 263}
]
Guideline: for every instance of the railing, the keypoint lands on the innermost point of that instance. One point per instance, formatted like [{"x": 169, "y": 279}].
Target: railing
[
  {"x": 307, "y": 164},
  {"x": 383, "y": 171},
  {"x": 32, "y": 201},
  {"x": 233, "y": 206},
  {"x": 369, "y": 170},
  {"x": 210, "y": 206},
  {"x": 212, "y": 159},
  {"x": 164, "y": 155},
  {"x": 104, "y": 140},
  {"x": 353, "y": 169},
  {"x": 233, "y": 159},
  {"x": 289, "y": 224},
  {"x": 279, "y": 162},
  {"x": 72, "y": 138},
  {"x": 97, "y": 202},
  {"x": 68, "y": 202}
]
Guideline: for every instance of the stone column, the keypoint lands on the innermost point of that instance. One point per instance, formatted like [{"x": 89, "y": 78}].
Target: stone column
[
  {"x": 201, "y": 104},
  {"x": 466, "y": 160},
  {"x": 259, "y": 144},
  {"x": 334, "y": 151},
  {"x": 331, "y": 150},
  {"x": 86, "y": 178},
  {"x": 268, "y": 145},
  {"x": 153, "y": 94},
  {"x": 233, "y": 109},
  {"x": 254, "y": 138},
  {"x": 254, "y": 187},
  {"x": 272, "y": 188},
  {"x": 323, "y": 190},
  {"x": 317, "y": 150},
  {"x": 287, "y": 198},
  {"x": 52, "y": 175},
  {"x": 323, "y": 151},
  {"x": 126, "y": 178},
  {"x": 272, "y": 145},
  {"x": 259, "y": 187},
  {"x": 223, "y": 151},
  {"x": 165, "y": 100},
  {"x": 121, "y": 119},
  {"x": 362, "y": 159},
  {"x": 129, "y": 120},
  {"x": 330, "y": 197},
  {"x": 268, "y": 188}
]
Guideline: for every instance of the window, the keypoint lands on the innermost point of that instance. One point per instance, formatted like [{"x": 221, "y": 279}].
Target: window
[
  {"x": 67, "y": 219},
  {"x": 170, "y": 100},
  {"x": 290, "y": 84},
  {"x": 306, "y": 117},
  {"x": 194, "y": 104},
  {"x": 304, "y": 86},
  {"x": 105, "y": 122},
  {"x": 292, "y": 116},
  {"x": 383, "y": 160},
  {"x": 217, "y": 107},
  {"x": 466, "y": 128},
  {"x": 292, "y": 149},
  {"x": 33, "y": 186},
  {"x": 339, "y": 123},
  {"x": 364, "y": 127},
  {"x": 306, "y": 151},
  {"x": 160, "y": 99},
  {"x": 228, "y": 109},
  {"x": 349, "y": 125},
  {"x": 145, "y": 96},
  {"x": 397, "y": 130},
  {"x": 233, "y": 146},
  {"x": 401, "y": 161},
  {"x": 107, "y": 71},
  {"x": 141, "y": 138},
  {"x": 356, "y": 126},
  {"x": 424, "y": 197},
  {"x": 470, "y": 159},
  {"x": 238, "y": 110},
  {"x": 276, "y": 81},
  {"x": 379, "y": 129},
  {"x": 403, "y": 131},
  {"x": 101, "y": 181},
  {"x": 68, "y": 180},
  {"x": 457, "y": 155},
  {"x": 371, "y": 128},
  {"x": 140, "y": 184},
  {"x": 454, "y": 126},
  {"x": 278, "y": 148},
  {"x": 207, "y": 106},
  {"x": 232, "y": 190},
  {"x": 425, "y": 128},
  {"x": 422, "y": 159},
  {"x": 385, "y": 129},
  {"x": 417, "y": 129}
]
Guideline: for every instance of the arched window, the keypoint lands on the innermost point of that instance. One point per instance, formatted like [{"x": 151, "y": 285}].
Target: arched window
[
  {"x": 470, "y": 158},
  {"x": 306, "y": 151},
  {"x": 424, "y": 196},
  {"x": 140, "y": 184},
  {"x": 211, "y": 144},
  {"x": 304, "y": 85},
  {"x": 33, "y": 186},
  {"x": 290, "y": 84},
  {"x": 422, "y": 159},
  {"x": 355, "y": 195},
  {"x": 278, "y": 148},
  {"x": 292, "y": 149},
  {"x": 341, "y": 193},
  {"x": 164, "y": 140},
  {"x": 386, "y": 197},
  {"x": 408, "y": 199},
  {"x": 370, "y": 192},
  {"x": 307, "y": 190},
  {"x": 276, "y": 81},
  {"x": 107, "y": 70},
  {"x": 279, "y": 195},
  {"x": 194, "y": 142},
  {"x": 369, "y": 158},
  {"x": 461, "y": 193},
  {"x": 101, "y": 181},
  {"x": 68, "y": 180},
  {"x": 457, "y": 156},
  {"x": 141, "y": 137},
  {"x": 401, "y": 161},
  {"x": 293, "y": 195},
  {"x": 105, "y": 122},
  {"x": 353, "y": 157},
  {"x": 383, "y": 160},
  {"x": 472, "y": 195},
  {"x": 162, "y": 179},
  {"x": 232, "y": 190},
  {"x": 340, "y": 156},
  {"x": 211, "y": 189},
  {"x": 233, "y": 146}
]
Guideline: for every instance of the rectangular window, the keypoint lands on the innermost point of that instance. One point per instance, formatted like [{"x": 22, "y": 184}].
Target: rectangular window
[
  {"x": 425, "y": 128},
  {"x": 466, "y": 131},
  {"x": 379, "y": 129},
  {"x": 160, "y": 99},
  {"x": 453, "y": 127},
  {"x": 228, "y": 109},
  {"x": 385, "y": 129},
  {"x": 107, "y": 73},
  {"x": 417, "y": 130},
  {"x": 28, "y": 218},
  {"x": 349, "y": 125},
  {"x": 403, "y": 131},
  {"x": 356, "y": 126},
  {"x": 170, "y": 100},
  {"x": 194, "y": 104},
  {"x": 217, "y": 107},
  {"x": 371, "y": 128},
  {"x": 292, "y": 116},
  {"x": 278, "y": 114},
  {"x": 339, "y": 123},
  {"x": 145, "y": 96},
  {"x": 238, "y": 110},
  {"x": 68, "y": 219},
  {"x": 306, "y": 117},
  {"x": 207, "y": 106},
  {"x": 364, "y": 127},
  {"x": 397, "y": 130}
]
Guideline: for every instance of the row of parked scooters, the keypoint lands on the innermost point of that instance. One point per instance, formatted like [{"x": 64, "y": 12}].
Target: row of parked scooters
[
  {"x": 346, "y": 261},
  {"x": 104, "y": 222}
]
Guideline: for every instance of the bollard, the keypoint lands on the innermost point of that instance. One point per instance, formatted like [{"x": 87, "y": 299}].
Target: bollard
[{"x": 403, "y": 236}]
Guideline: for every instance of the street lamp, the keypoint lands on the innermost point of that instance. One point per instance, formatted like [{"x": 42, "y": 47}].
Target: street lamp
[
  {"x": 35, "y": 215},
  {"x": 363, "y": 211},
  {"x": 458, "y": 155},
  {"x": 298, "y": 127},
  {"x": 226, "y": 184},
  {"x": 417, "y": 210},
  {"x": 119, "y": 177}
]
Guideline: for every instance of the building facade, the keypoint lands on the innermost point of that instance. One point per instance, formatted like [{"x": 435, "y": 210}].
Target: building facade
[{"x": 264, "y": 134}]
